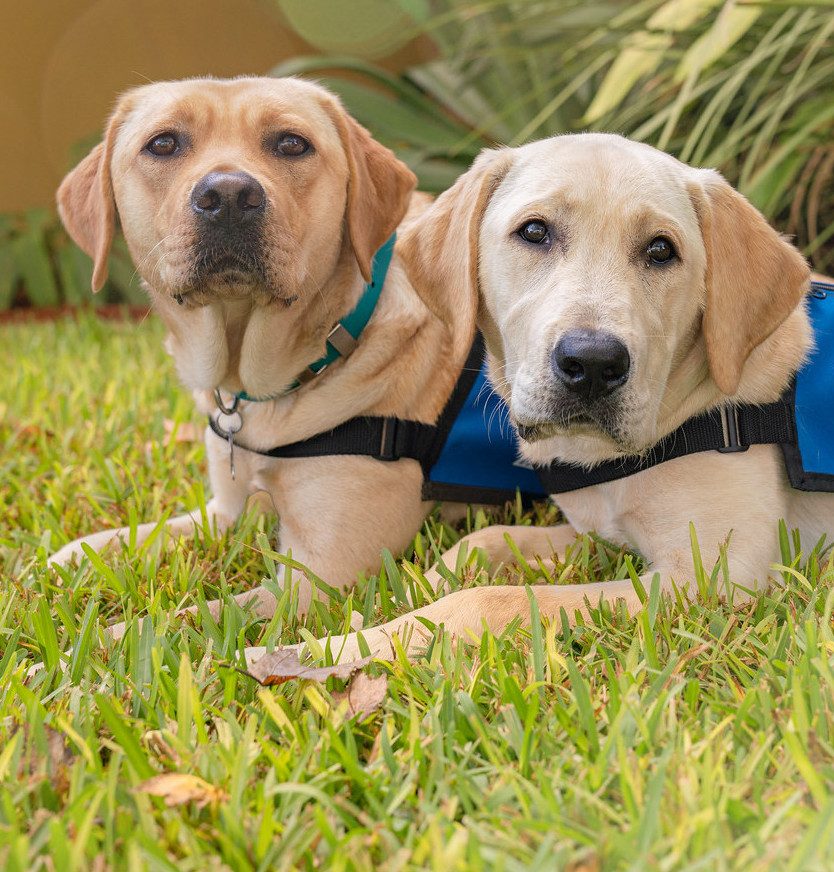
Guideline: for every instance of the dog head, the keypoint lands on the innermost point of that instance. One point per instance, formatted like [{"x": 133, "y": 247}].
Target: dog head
[
  {"x": 229, "y": 188},
  {"x": 615, "y": 283}
]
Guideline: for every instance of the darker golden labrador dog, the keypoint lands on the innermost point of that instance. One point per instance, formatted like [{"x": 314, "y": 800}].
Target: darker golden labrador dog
[{"x": 253, "y": 208}]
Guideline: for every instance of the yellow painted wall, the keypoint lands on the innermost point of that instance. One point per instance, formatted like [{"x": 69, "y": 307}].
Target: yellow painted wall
[{"x": 63, "y": 61}]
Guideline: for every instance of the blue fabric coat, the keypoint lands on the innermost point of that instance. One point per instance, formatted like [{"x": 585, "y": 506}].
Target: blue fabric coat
[
  {"x": 477, "y": 460},
  {"x": 810, "y": 460}
]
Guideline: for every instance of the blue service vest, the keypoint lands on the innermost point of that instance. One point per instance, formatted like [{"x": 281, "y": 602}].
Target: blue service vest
[
  {"x": 479, "y": 460},
  {"x": 810, "y": 457}
]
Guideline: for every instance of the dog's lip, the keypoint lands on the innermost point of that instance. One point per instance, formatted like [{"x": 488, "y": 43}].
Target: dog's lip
[
  {"x": 195, "y": 296},
  {"x": 229, "y": 262},
  {"x": 534, "y": 431},
  {"x": 578, "y": 425}
]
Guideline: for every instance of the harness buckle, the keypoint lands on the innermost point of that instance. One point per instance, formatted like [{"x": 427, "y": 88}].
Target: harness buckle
[
  {"x": 730, "y": 431},
  {"x": 388, "y": 440}
]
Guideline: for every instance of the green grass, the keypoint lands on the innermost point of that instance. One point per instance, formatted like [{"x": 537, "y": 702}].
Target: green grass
[{"x": 694, "y": 736}]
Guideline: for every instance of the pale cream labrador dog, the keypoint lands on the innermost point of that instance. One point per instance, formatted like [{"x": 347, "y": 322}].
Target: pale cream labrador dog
[
  {"x": 252, "y": 209},
  {"x": 700, "y": 302}
]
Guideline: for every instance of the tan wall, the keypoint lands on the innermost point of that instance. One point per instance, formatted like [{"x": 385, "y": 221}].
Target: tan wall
[{"x": 63, "y": 61}]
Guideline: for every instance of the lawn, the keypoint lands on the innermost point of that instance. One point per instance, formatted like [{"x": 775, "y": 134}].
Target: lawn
[{"x": 693, "y": 736}]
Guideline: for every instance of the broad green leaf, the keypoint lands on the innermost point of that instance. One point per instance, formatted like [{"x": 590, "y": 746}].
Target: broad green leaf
[
  {"x": 641, "y": 56},
  {"x": 34, "y": 266},
  {"x": 76, "y": 271},
  {"x": 731, "y": 23},
  {"x": 679, "y": 15},
  {"x": 394, "y": 120},
  {"x": 366, "y": 28},
  {"x": 419, "y": 10},
  {"x": 8, "y": 275}
]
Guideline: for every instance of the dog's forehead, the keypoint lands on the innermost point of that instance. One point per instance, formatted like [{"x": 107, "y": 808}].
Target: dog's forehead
[
  {"x": 597, "y": 174},
  {"x": 229, "y": 105}
]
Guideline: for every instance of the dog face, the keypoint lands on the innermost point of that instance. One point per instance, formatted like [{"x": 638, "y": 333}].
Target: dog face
[
  {"x": 592, "y": 263},
  {"x": 246, "y": 187},
  {"x": 614, "y": 281}
]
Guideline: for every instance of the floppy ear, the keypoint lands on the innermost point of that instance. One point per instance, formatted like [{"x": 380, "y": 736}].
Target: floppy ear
[
  {"x": 379, "y": 190},
  {"x": 754, "y": 278},
  {"x": 440, "y": 247},
  {"x": 86, "y": 204}
]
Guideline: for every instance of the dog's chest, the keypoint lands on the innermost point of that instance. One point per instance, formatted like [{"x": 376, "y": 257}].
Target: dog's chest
[
  {"x": 608, "y": 510},
  {"x": 594, "y": 509}
]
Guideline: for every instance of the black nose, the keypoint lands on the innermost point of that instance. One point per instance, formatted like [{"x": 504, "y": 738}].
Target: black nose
[
  {"x": 590, "y": 363},
  {"x": 228, "y": 198}
]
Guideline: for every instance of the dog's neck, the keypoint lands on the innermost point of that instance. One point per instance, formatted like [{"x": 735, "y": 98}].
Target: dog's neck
[{"x": 241, "y": 344}]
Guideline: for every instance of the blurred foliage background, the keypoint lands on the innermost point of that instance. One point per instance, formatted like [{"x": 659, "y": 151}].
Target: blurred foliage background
[{"x": 743, "y": 86}]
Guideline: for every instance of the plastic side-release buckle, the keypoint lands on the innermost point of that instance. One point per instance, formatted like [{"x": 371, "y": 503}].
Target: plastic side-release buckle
[
  {"x": 388, "y": 440},
  {"x": 730, "y": 431}
]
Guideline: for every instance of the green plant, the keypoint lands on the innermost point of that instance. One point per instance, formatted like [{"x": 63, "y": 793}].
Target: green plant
[
  {"x": 40, "y": 266},
  {"x": 742, "y": 86}
]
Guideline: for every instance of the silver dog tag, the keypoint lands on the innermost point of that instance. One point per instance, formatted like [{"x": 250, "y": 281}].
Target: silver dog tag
[{"x": 229, "y": 422}]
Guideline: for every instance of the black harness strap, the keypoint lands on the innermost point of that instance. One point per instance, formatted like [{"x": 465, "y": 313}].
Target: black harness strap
[
  {"x": 729, "y": 429},
  {"x": 382, "y": 438}
]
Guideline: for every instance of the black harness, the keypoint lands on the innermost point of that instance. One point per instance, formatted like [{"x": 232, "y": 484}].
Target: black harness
[
  {"x": 466, "y": 458},
  {"x": 388, "y": 439},
  {"x": 728, "y": 430},
  {"x": 368, "y": 436}
]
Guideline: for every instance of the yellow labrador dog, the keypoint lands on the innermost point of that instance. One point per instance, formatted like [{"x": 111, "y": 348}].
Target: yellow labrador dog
[
  {"x": 622, "y": 292},
  {"x": 253, "y": 208}
]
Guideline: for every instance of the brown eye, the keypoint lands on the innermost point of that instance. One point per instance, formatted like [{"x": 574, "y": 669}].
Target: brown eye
[
  {"x": 163, "y": 145},
  {"x": 291, "y": 145},
  {"x": 535, "y": 232},
  {"x": 661, "y": 251}
]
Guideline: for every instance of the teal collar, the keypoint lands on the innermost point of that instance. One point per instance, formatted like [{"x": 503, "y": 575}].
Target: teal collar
[{"x": 344, "y": 337}]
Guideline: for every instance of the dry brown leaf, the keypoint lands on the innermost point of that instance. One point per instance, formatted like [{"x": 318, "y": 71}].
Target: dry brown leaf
[
  {"x": 364, "y": 695},
  {"x": 283, "y": 665},
  {"x": 588, "y": 863},
  {"x": 178, "y": 788},
  {"x": 155, "y": 741},
  {"x": 58, "y": 755},
  {"x": 187, "y": 431},
  {"x": 58, "y": 749}
]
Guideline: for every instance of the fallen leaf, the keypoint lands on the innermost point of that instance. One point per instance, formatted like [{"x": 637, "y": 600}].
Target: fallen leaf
[
  {"x": 283, "y": 665},
  {"x": 57, "y": 751},
  {"x": 364, "y": 695},
  {"x": 155, "y": 741},
  {"x": 178, "y": 788},
  {"x": 186, "y": 431},
  {"x": 588, "y": 863}
]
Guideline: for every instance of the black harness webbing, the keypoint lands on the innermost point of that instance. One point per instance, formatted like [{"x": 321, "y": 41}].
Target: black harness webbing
[
  {"x": 382, "y": 438},
  {"x": 729, "y": 429}
]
